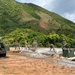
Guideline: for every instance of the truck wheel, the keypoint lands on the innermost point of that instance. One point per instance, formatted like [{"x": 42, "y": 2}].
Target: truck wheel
[{"x": 4, "y": 55}]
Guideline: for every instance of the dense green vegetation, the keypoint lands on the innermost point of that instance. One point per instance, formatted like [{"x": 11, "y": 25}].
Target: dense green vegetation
[
  {"x": 21, "y": 21},
  {"x": 22, "y": 35}
]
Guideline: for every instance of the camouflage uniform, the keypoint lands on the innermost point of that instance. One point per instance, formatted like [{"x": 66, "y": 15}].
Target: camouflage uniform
[
  {"x": 16, "y": 44},
  {"x": 35, "y": 44},
  {"x": 64, "y": 43},
  {"x": 52, "y": 47}
]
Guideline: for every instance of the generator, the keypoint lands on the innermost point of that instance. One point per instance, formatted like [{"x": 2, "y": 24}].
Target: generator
[{"x": 68, "y": 52}]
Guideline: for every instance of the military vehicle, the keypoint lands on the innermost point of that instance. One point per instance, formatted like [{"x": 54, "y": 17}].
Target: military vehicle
[{"x": 3, "y": 49}]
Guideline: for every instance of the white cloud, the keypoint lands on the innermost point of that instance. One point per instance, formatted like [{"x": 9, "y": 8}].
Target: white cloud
[
  {"x": 70, "y": 16},
  {"x": 47, "y": 4},
  {"x": 38, "y": 2},
  {"x": 65, "y": 8}
]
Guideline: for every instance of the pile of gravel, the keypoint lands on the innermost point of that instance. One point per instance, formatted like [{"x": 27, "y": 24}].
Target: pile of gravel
[
  {"x": 66, "y": 62},
  {"x": 37, "y": 55}
]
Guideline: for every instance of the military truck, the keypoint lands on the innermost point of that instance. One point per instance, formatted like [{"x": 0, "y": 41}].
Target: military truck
[{"x": 3, "y": 49}]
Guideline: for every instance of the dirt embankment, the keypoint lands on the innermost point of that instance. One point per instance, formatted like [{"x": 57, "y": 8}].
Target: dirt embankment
[
  {"x": 44, "y": 25},
  {"x": 15, "y": 64}
]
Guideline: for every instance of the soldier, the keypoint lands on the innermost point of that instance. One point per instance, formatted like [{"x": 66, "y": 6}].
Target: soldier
[
  {"x": 52, "y": 47},
  {"x": 64, "y": 43},
  {"x": 35, "y": 44},
  {"x": 16, "y": 44},
  {"x": 8, "y": 45},
  {"x": 26, "y": 45}
]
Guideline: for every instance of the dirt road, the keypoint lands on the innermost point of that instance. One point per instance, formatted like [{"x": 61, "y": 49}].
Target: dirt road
[{"x": 16, "y": 64}]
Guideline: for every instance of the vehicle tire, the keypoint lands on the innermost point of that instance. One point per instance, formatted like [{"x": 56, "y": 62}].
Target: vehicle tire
[{"x": 4, "y": 55}]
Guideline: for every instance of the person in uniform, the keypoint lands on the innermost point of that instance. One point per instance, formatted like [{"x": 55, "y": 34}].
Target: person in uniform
[
  {"x": 64, "y": 43},
  {"x": 16, "y": 45},
  {"x": 26, "y": 45},
  {"x": 52, "y": 47},
  {"x": 34, "y": 44}
]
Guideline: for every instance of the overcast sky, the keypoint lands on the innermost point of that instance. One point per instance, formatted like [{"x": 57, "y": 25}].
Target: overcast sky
[{"x": 65, "y": 8}]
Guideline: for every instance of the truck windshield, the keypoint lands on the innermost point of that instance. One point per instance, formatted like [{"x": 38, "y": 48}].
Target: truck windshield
[{"x": 1, "y": 45}]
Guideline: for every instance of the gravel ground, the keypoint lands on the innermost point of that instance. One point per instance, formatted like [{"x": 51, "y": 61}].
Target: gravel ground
[
  {"x": 45, "y": 52},
  {"x": 66, "y": 62},
  {"x": 21, "y": 64}
]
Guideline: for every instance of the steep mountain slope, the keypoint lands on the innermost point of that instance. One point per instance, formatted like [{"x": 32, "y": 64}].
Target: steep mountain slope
[{"x": 17, "y": 15}]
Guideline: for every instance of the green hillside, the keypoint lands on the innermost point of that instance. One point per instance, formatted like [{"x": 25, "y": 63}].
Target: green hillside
[
  {"x": 26, "y": 21},
  {"x": 17, "y": 15}
]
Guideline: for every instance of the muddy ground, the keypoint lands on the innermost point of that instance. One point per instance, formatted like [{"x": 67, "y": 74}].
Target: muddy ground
[{"x": 19, "y": 64}]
